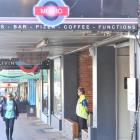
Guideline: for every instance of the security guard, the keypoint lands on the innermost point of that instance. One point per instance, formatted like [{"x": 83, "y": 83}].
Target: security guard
[{"x": 82, "y": 109}]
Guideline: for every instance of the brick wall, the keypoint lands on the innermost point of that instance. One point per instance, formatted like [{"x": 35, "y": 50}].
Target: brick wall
[{"x": 85, "y": 75}]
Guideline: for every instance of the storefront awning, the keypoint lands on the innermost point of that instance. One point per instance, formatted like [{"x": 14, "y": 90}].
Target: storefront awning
[{"x": 18, "y": 75}]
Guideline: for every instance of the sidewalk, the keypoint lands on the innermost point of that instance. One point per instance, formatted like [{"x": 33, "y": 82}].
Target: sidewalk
[{"x": 31, "y": 129}]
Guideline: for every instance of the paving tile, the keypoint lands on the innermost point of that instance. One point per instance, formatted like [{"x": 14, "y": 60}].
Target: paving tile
[{"x": 31, "y": 129}]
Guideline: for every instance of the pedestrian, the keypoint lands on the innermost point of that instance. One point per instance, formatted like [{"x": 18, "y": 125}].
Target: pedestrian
[
  {"x": 1, "y": 101},
  {"x": 82, "y": 109},
  {"x": 9, "y": 112},
  {"x": 16, "y": 99}
]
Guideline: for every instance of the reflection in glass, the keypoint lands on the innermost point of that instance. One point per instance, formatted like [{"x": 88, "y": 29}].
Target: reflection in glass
[
  {"x": 45, "y": 98},
  {"x": 57, "y": 100}
]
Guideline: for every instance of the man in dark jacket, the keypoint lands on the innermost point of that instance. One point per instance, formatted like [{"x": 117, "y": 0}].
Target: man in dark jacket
[{"x": 9, "y": 112}]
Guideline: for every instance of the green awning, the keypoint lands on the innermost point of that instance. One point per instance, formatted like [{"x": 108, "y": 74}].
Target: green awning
[{"x": 19, "y": 75}]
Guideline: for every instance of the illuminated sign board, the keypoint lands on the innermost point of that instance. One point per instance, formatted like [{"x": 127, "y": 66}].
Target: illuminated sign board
[
  {"x": 51, "y": 12},
  {"x": 112, "y": 15}
]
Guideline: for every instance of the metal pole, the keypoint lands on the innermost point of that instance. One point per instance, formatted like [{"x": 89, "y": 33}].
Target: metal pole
[{"x": 42, "y": 86}]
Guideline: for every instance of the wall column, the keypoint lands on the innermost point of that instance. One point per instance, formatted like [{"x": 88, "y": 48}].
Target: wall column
[
  {"x": 92, "y": 131},
  {"x": 132, "y": 59}
]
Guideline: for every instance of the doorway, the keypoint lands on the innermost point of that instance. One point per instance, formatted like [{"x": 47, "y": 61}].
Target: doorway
[{"x": 123, "y": 115}]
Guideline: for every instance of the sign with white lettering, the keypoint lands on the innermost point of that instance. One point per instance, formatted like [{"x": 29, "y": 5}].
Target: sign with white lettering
[
  {"x": 51, "y": 12},
  {"x": 14, "y": 64},
  {"x": 94, "y": 27},
  {"x": 78, "y": 8},
  {"x": 104, "y": 15}
]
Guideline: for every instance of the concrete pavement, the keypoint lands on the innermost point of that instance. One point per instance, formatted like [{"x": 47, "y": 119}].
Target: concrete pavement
[{"x": 31, "y": 129}]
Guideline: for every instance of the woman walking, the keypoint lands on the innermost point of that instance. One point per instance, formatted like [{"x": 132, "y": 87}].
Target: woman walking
[{"x": 9, "y": 112}]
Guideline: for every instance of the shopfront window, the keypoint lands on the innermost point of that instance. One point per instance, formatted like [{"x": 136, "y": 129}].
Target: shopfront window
[
  {"x": 45, "y": 98},
  {"x": 45, "y": 92},
  {"x": 57, "y": 99}
]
